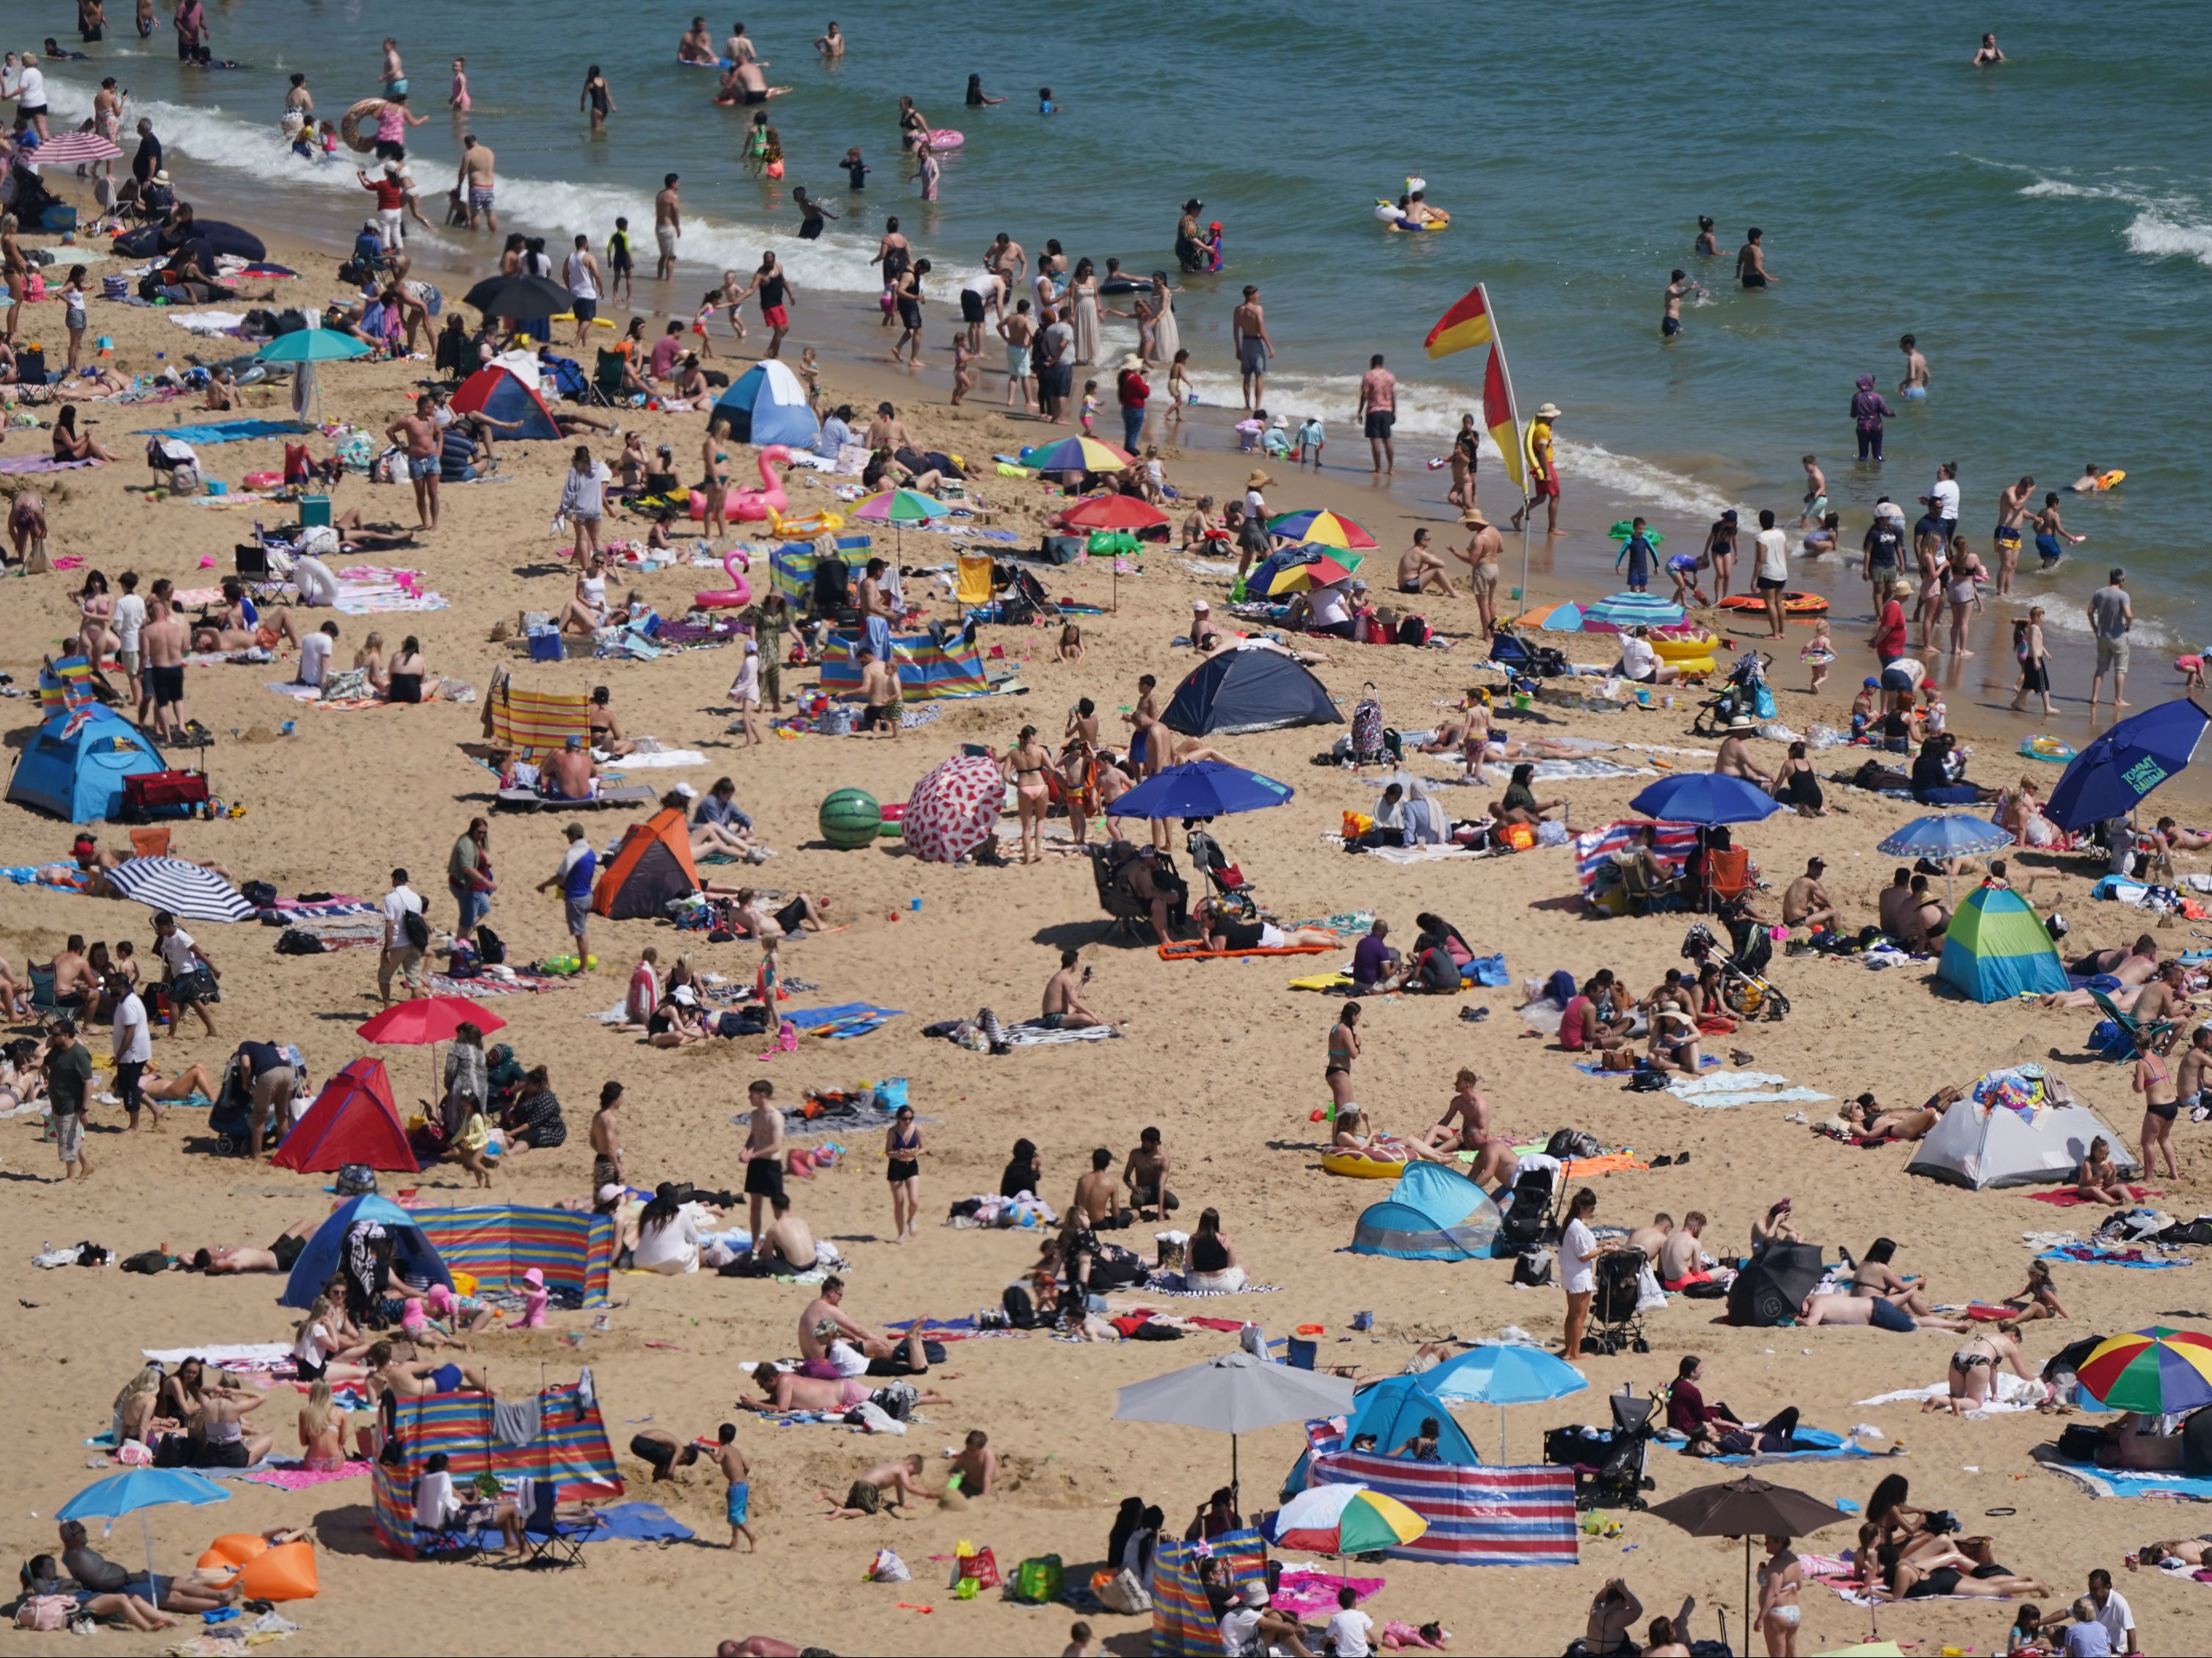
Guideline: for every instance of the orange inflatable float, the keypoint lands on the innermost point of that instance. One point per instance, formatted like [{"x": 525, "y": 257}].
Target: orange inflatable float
[
  {"x": 286, "y": 1572},
  {"x": 1793, "y": 604}
]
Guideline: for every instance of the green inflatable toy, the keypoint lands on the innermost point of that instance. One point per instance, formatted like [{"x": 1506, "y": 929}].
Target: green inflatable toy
[{"x": 850, "y": 818}]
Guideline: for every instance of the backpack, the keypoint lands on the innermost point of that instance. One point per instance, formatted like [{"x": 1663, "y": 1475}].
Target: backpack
[
  {"x": 259, "y": 894},
  {"x": 491, "y": 949},
  {"x": 415, "y": 929},
  {"x": 1567, "y": 1144},
  {"x": 1021, "y": 1311},
  {"x": 1533, "y": 1268},
  {"x": 1413, "y": 630},
  {"x": 293, "y": 942}
]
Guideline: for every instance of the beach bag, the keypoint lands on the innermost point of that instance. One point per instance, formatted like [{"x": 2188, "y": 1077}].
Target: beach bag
[
  {"x": 1367, "y": 749},
  {"x": 415, "y": 929},
  {"x": 1037, "y": 1580},
  {"x": 1413, "y": 630},
  {"x": 2078, "y": 1442},
  {"x": 185, "y": 480},
  {"x": 50, "y": 1612},
  {"x": 888, "y": 1568},
  {"x": 1124, "y": 1593},
  {"x": 1533, "y": 1268},
  {"x": 975, "y": 1565},
  {"x": 1021, "y": 1311},
  {"x": 491, "y": 949},
  {"x": 1567, "y": 1144},
  {"x": 293, "y": 942},
  {"x": 354, "y": 1180}
]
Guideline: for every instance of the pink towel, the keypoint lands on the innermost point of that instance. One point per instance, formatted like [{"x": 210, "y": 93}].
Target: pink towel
[
  {"x": 296, "y": 1478},
  {"x": 1308, "y": 1594},
  {"x": 2067, "y": 1199}
]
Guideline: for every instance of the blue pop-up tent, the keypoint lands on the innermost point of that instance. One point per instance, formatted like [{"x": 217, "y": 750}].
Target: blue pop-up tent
[
  {"x": 767, "y": 404},
  {"x": 1250, "y": 688},
  {"x": 1433, "y": 1213},
  {"x": 1393, "y": 1411},
  {"x": 412, "y": 1256},
  {"x": 76, "y": 765}
]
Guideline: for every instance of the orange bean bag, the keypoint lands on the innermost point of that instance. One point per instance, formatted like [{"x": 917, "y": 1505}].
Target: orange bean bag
[
  {"x": 234, "y": 1549},
  {"x": 286, "y": 1572}
]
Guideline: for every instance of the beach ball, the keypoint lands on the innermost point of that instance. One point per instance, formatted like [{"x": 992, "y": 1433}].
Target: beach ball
[{"x": 849, "y": 818}]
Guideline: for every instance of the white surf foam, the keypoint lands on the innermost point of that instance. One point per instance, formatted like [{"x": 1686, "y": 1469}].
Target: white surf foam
[{"x": 2156, "y": 235}]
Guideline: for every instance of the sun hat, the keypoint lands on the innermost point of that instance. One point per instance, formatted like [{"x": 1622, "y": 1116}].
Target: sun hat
[
  {"x": 684, "y": 994},
  {"x": 1133, "y": 362},
  {"x": 1474, "y": 515},
  {"x": 1253, "y": 1594},
  {"x": 1200, "y": 604},
  {"x": 611, "y": 1192},
  {"x": 534, "y": 1277},
  {"x": 1257, "y": 480},
  {"x": 1743, "y": 722},
  {"x": 1547, "y": 411}
]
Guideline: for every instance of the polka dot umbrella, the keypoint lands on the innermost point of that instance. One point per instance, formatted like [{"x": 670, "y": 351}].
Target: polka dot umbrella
[{"x": 955, "y": 809}]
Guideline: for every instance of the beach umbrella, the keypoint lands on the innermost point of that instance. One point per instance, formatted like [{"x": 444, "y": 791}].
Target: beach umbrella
[
  {"x": 1503, "y": 1374},
  {"x": 1235, "y": 1394},
  {"x": 1945, "y": 837},
  {"x": 1076, "y": 454},
  {"x": 73, "y": 149},
  {"x": 2107, "y": 778},
  {"x": 1342, "y": 1520},
  {"x": 1748, "y": 1508},
  {"x": 1618, "y": 612},
  {"x": 517, "y": 296},
  {"x": 426, "y": 1020},
  {"x": 139, "y": 1490},
  {"x": 1320, "y": 571},
  {"x": 898, "y": 508},
  {"x": 955, "y": 809},
  {"x": 2156, "y": 1371},
  {"x": 1321, "y": 526},
  {"x": 1705, "y": 798},
  {"x": 1113, "y": 512},
  {"x": 312, "y": 345},
  {"x": 183, "y": 889},
  {"x": 1202, "y": 788}
]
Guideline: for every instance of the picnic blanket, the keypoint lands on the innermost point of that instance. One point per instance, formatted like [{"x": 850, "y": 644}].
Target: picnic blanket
[
  {"x": 224, "y": 431},
  {"x": 373, "y": 589},
  {"x": 288, "y": 1475},
  {"x": 636, "y": 1522},
  {"x": 1307, "y": 1592},
  {"x": 19, "y": 464},
  {"x": 665, "y": 759},
  {"x": 1725, "y": 1089},
  {"x": 2116, "y": 1482},
  {"x": 1194, "y": 949},
  {"x": 845, "y": 1019}
]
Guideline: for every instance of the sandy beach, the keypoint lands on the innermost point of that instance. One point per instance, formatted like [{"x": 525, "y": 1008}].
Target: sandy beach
[{"x": 1222, "y": 1056}]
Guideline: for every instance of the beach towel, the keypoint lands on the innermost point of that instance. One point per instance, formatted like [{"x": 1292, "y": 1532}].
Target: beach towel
[
  {"x": 2069, "y": 1199},
  {"x": 240, "y": 1355},
  {"x": 1814, "y": 1445},
  {"x": 290, "y": 1476},
  {"x": 2090, "y": 1254},
  {"x": 1420, "y": 854},
  {"x": 666, "y": 759},
  {"x": 1725, "y": 1089},
  {"x": 19, "y": 464},
  {"x": 1323, "y": 982},
  {"x": 1309, "y": 1594},
  {"x": 1557, "y": 770},
  {"x": 225, "y": 431},
  {"x": 1032, "y": 1035},
  {"x": 845, "y": 1019},
  {"x": 1172, "y": 1283},
  {"x": 2012, "y": 1395},
  {"x": 1192, "y": 950},
  {"x": 2114, "y": 1482},
  {"x": 1593, "y": 1068},
  {"x": 478, "y": 989}
]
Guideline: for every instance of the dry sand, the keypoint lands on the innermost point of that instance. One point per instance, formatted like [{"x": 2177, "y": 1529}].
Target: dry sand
[{"x": 1221, "y": 1055}]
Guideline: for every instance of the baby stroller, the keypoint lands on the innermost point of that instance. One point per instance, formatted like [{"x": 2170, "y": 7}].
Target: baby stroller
[
  {"x": 1741, "y": 695},
  {"x": 1517, "y": 659},
  {"x": 1608, "y": 1462},
  {"x": 1619, "y": 1288},
  {"x": 231, "y": 1121},
  {"x": 1527, "y": 1222},
  {"x": 1746, "y": 991},
  {"x": 1232, "y": 892}
]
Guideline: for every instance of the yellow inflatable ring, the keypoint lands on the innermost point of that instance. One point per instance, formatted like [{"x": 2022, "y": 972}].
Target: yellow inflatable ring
[
  {"x": 2107, "y": 480},
  {"x": 804, "y": 526},
  {"x": 1359, "y": 1166}
]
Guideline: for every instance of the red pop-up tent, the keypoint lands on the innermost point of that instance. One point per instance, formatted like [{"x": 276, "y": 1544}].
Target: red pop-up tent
[{"x": 353, "y": 1119}]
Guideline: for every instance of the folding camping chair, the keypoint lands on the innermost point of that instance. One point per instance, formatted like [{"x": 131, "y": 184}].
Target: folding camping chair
[
  {"x": 606, "y": 387},
  {"x": 1728, "y": 875},
  {"x": 2132, "y": 1037},
  {"x": 975, "y": 583},
  {"x": 44, "y": 1008},
  {"x": 549, "y": 1539},
  {"x": 455, "y": 1540}
]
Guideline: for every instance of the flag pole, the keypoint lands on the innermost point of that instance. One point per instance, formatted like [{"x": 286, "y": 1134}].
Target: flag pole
[{"x": 1513, "y": 414}]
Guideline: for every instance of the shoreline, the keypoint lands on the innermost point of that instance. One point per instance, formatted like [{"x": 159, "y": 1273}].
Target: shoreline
[{"x": 1569, "y": 567}]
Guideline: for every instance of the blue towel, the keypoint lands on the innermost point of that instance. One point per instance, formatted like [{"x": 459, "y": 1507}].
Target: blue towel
[
  {"x": 847, "y": 1018},
  {"x": 639, "y": 1522},
  {"x": 227, "y": 431},
  {"x": 2092, "y": 1258},
  {"x": 2112, "y": 1482}
]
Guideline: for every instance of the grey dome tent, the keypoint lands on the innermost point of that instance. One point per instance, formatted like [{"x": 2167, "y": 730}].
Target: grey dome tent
[
  {"x": 2017, "y": 1128},
  {"x": 1253, "y": 687}
]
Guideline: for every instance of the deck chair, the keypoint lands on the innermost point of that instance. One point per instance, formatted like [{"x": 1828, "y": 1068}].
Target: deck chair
[
  {"x": 975, "y": 584},
  {"x": 1644, "y": 894},
  {"x": 1728, "y": 875},
  {"x": 44, "y": 1008},
  {"x": 2135, "y": 1038},
  {"x": 550, "y": 1540},
  {"x": 455, "y": 1540},
  {"x": 150, "y": 842},
  {"x": 606, "y": 387}
]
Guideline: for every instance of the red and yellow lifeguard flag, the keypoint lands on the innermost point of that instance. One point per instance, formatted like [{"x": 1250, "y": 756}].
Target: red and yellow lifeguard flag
[{"x": 1469, "y": 323}]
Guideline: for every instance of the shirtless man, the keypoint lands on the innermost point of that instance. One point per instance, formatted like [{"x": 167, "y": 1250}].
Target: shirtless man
[
  {"x": 830, "y": 43},
  {"x": 1680, "y": 1255},
  {"x": 1653, "y": 1238},
  {"x": 1063, "y": 998},
  {"x": 164, "y": 640},
  {"x": 2189, "y": 1550},
  {"x": 1003, "y": 251},
  {"x": 696, "y": 46},
  {"x": 787, "y": 1390},
  {"x": 1678, "y": 288},
  {"x": 1733, "y": 759},
  {"x": 418, "y": 1378},
  {"x": 1465, "y": 1126},
  {"x": 1807, "y": 903},
  {"x": 1751, "y": 260},
  {"x": 788, "y": 1237},
  {"x": 2012, "y": 509},
  {"x": 1145, "y": 1174},
  {"x": 824, "y": 1322},
  {"x": 1483, "y": 548},
  {"x": 569, "y": 772},
  {"x": 898, "y": 1483},
  {"x": 1247, "y": 329},
  {"x": 667, "y": 226},
  {"x": 1018, "y": 330},
  {"x": 1915, "y": 381},
  {"x": 74, "y": 980},
  {"x": 1097, "y": 1202},
  {"x": 220, "y": 1258},
  {"x": 763, "y": 1152},
  {"x": 477, "y": 182},
  {"x": 419, "y": 434},
  {"x": 2163, "y": 997},
  {"x": 1420, "y": 571},
  {"x": 1816, "y": 1310},
  {"x": 2194, "y": 1074},
  {"x": 880, "y": 696}
]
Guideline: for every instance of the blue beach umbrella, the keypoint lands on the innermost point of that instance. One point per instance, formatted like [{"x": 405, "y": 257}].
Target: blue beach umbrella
[
  {"x": 312, "y": 345},
  {"x": 2110, "y": 776},
  {"x": 1202, "y": 788},
  {"x": 1503, "y": 1375},
  {"x": 139, "y": 1490},
  {"x": 1706, "y": 798},
  {"x": 1944, "y": 835}
]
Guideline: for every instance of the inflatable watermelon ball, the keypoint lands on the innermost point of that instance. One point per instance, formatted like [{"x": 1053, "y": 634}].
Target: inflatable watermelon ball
[{"x": 850, "y": 818}]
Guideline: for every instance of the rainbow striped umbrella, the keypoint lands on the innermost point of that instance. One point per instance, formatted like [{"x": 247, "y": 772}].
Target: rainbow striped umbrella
[
  {"x": 901, "y": 507},
  {"x": 2155, "y": 1371},
  {"x": 1343, "y": 1519},
  {"x": 1076, "y": 454},
  {"x": 1316, "y": 524},
  {"x": 1322, "y": 572}
]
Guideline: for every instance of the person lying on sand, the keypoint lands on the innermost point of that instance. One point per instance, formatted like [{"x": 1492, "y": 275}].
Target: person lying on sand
[
  {"x": 1355, "y": 1132},
  {"x": 883, "y": 1488},
  {"x": 1223, "y": 929},
  {"x": 787, "y": 1390},
  {"x": 278, "y": 1257},
  {"x": 2193, "y": 1552},
  {"x": 1869, "y": 1120},
  {"x": 1816, "y": 1310},
  {"x": 418, "y": 1378}
]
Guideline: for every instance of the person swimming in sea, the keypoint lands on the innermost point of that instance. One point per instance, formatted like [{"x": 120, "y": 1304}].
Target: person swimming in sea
[
  {"x": 1986, "y": 56},
  {"x": 1916, "y": 380},
  {"x": 1708, "y": 246}
]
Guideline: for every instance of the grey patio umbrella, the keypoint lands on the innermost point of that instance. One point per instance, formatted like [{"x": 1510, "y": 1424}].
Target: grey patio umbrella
[{"x": 1236, "y": 1394}]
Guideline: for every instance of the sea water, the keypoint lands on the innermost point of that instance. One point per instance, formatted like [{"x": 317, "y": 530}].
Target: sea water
[{"x": 2043, "y": 229}]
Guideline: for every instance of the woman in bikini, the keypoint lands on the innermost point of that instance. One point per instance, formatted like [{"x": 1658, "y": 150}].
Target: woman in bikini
[
  {"x": 1779, "y": 1580},
  {"x": 2154, "y": 1080},
  {"x": 322, "y": 1432},
  {"x": 2098, "y": 1180},
  {"x": 1025, "y": 764},
  {"x": 2040, "y": 1298},
  {"x": 903, "y": 1150},
  {"x": 1973, "y": 1374},
  {"x": 69, "y": 444},
  {"x": 1343, "y": 1050},
  {"x": 1356, "y": 1131},
  {"x": 1079, "y": 783}
]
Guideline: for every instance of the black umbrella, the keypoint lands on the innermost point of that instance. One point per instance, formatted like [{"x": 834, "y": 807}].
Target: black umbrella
[
  {"x": 517, "y": 296},
  {"x": 1748, "y": 1508}
]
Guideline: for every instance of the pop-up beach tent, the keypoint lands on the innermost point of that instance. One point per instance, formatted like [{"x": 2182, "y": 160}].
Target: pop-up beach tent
[
  {"x": 1433, "y": 1213},
  {"x": 767, "y": 404},
  {"x": 75, "y": 766},
  {"x": 1996, "y": 948},
  {"x": 2014, "y": 1127},
  {"x": 1253, "y": 687},
  {"x": 651, "y": 867}
]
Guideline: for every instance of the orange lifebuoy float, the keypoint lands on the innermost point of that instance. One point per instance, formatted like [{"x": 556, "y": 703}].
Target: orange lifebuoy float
[{"x": 1793, "y": 604}]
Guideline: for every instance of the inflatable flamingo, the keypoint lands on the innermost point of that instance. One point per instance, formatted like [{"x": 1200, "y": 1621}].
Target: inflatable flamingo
[
  {"x": 753, "y": 503},
  {"x": 738, "y": 594}
]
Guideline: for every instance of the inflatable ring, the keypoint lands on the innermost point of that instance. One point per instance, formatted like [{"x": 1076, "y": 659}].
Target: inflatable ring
[
  {"x": 1359, "y": 1166},
  {"x": 1679, "y": 650},
  {"x": 946, "y": 138},
  {"x": 1793, "y": 604},
  {"x": 349, "y": 125},
  {"x": 2046, "y": 748},
  {"x": 1386, "y": 214},
  {"x": 804, "y": 526}
]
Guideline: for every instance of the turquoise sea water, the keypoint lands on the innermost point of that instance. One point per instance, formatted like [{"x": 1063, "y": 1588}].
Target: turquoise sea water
[{"x": 2045, "y": 228}]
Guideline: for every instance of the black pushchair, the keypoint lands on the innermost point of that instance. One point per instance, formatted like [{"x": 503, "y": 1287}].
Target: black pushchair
[
  {"x": 1619, "y": 1287},
  {"x": 1516, "y": 657},
  {"x": 1527, "y": 1222},
  {"x": 231, "y": 1119},
  {"x": 1746, "y": 991},
  {"x": 1232, "y": 892},
  {"x": 1738, "y": 697},
  {"x": 1608, "y": 1462}
]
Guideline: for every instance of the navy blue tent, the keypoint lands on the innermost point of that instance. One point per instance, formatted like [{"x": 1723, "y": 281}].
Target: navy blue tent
[
  {"x": 412, "y": 1257},
  {"x": 1251, "y": 689}
]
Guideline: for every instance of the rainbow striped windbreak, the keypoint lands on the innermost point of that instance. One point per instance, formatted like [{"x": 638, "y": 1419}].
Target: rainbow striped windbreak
[
  {"x": 498, "y": 1243},
  {"x": 571, "y": 1449}
]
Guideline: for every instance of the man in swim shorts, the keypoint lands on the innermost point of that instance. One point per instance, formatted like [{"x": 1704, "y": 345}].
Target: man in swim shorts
[
  {"x": 1915, "y": 382},
  {"x": 1378, "y": 410},
  {"x": 1419, "y": 570},
  {"x": 667, "y": 227},
  {"x": 1670, "y": 309},
  {"x": 1248, "y": 326},
  {"x": 2012, "y": 509},
  {"x": 477, "y": 182}
]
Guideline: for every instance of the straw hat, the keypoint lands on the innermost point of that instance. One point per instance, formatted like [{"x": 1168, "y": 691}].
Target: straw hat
[
  {"x": 1472, "y": 515},
  {"x": 1258, "y": 479},
  {"x": 1133, "y": 362},
  {"x": 1743, "y": 722},
  {"x": 1547, "y": 411}
]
